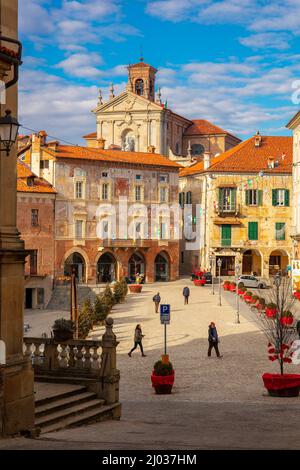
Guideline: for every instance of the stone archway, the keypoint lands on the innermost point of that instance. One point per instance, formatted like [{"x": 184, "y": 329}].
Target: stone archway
[
  {"x": 75, "y": 261},
  {"x": 136, "y": 265},
  {"x": 162, "y": 267},
  {"x": 106, "y": 268},
  {"x": 252, "y": 262},
  {"x": 278, "y": 262}
]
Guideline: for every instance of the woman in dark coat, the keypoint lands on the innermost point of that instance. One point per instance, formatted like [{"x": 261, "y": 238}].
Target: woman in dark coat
[
  {"x": 138, "y": 336},
  {"x": 213, "y": 339}
]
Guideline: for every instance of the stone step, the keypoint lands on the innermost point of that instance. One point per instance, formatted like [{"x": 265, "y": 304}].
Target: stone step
[
  {"x": 102, "y": 413},
  {"x": 63, "y": 403},
  {"x": 74, "y": 410},
  {"x": 70, "y": 391}
]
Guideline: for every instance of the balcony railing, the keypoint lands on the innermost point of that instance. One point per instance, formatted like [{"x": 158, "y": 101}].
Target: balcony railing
[
  {"x": 78, "y": 360},
  {"x": 228, "y": 208}
]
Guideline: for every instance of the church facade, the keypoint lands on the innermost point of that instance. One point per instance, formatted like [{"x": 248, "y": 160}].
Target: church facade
[{"x": 137, "y": 120}]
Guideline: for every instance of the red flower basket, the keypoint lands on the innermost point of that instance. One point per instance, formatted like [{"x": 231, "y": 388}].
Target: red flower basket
[
  {"x": 247, "y": 298},
  {"x": 162, "y": 383},
  {"x": 232, "y": 288},
  {"x": 271, "y": 312},
  {"x": 199, "y": 282}
]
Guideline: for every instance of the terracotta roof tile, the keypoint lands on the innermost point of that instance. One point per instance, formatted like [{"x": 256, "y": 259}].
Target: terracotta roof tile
[
  {"x": 246, "y": 158},
  {"x": 116, "y": 156},
  {"x": 39, "y": 184},
  {"x": 204, "y": 127},
  {"x": 92, "y": 135}
]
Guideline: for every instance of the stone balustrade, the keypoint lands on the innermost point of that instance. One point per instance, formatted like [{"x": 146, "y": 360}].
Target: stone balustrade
[{"x": 90, "y": 362}]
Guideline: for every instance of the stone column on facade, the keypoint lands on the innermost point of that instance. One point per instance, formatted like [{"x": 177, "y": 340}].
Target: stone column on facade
[{"x": 17, "y": 374}]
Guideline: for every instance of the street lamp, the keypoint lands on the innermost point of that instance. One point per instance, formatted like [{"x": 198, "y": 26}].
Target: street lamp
[
  {"x": 219, "y": 263},
  {"x": 237, "y": 272},
  {"x": 9, "y": 128}
]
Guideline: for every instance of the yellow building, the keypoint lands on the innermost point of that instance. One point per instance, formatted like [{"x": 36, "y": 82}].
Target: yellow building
[
  {"x": 294, "y": 125},
  {"x": 242, "y": 199}
]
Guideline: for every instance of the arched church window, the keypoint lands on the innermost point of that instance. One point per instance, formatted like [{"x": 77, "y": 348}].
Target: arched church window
[
  {"x": 197, "y": 149},
  {"x": 139, "y": 87}
]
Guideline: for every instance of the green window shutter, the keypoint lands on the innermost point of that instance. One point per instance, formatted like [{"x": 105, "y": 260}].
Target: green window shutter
[
  {"x": 220, "y": 197},
  {"x": 260, "y": 197},
  {"x": 232, "y": 197},
  {"x": 253, "y": 230},
  {"x": 280, "y": 231},
  {"x": 274, "y": 197},
  {"x": 247, "y": 199},
  {"x": 226, "y": 235},
  {"x": 287, "y": 197}
]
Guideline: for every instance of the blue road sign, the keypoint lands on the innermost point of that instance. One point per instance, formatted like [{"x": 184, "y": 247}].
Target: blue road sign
[{"x": 165, "y": 310}]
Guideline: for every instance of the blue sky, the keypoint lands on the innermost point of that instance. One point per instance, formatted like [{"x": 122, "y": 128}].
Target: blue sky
[{"x": 234, "y": 62}]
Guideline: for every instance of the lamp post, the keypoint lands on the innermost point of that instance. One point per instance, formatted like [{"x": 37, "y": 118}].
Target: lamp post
[
  {"x": 219, "y": 263},
  {"x": 277, "y": 281},
  {"x": 211, "y": 262},
  {"x": 237, "y": 272},
  {"x": 9, "y": 128}
]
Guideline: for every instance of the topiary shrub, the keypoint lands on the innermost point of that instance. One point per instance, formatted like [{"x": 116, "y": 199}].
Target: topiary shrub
[
  {"x": 241, "y": 284},
  {"x": 163, "y": 369},
  {"x": 124, "y": 287},
  {"x": 85, "y": 319},
  {"x": 108, "y": 297},
  {"x": 101, "y": 310},
  {"x": 118, "y": 292}
]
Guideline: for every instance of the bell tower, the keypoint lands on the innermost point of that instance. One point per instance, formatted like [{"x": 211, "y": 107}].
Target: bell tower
[{"x": 141, "y": 80}]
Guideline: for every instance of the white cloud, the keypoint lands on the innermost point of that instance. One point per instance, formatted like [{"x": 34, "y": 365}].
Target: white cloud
[
  {"x": 267, "y": 41},
  {"x": 82, "y": 65}
]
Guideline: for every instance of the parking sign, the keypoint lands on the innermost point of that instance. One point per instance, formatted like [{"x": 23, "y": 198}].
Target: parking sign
[{"x": 165, "y": 310}]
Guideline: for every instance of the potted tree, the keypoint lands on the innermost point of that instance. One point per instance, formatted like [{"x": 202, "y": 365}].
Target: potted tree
[
  {"x": 248, "y": 296},
  {"x": 63, "y": 330},
  {"x": 162, "y": 377},
  {"x": 276, "y": 325}
]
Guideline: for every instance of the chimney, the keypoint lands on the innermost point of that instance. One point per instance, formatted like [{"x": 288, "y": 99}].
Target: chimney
[
  {"x": 101, "y": 143},
  {"x": 257, "y": 139},
  {"x": 151, "y": 149},
  {"x": 271, "y": 162},
  {"x": 206, "y": 160},
  {"x": 43, "y": 137}
]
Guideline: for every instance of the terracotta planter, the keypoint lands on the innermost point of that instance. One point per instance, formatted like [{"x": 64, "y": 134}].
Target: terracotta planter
[
  {"x": 135, "y": 288},
  {"x": 286, "y": 385},
  {"x": 271, "y": 312},
  {"x": 162, "y": 384}
]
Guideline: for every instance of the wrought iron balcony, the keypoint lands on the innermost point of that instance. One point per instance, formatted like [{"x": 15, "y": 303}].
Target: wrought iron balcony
[{"x": 228, "y": 209}]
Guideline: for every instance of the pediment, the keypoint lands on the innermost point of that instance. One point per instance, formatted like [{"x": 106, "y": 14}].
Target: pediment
[{"x": 127, "y": 102}]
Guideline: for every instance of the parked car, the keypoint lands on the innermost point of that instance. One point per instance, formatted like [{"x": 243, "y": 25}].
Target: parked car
[{"x": 252, "y": 281}]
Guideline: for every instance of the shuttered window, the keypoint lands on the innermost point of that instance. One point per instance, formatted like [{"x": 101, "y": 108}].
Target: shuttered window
[
  {"x": 280, "y": 197},
  {"x": 254, "y": 197},
  {"x": 226, "y": 235},
  {"x": 253, "y": 230},
  {"x": 189, "y": 197}
]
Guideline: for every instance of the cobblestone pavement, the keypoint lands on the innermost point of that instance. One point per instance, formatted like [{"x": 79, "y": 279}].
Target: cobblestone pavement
[{"x": 217, "y": 403}]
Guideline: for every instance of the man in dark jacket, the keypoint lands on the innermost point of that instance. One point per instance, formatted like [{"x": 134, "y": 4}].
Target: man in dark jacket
[
  {"x": 186, "y": 294},
  {"x": 156, "y": 299},
  {"x": 213, "y": 340}
]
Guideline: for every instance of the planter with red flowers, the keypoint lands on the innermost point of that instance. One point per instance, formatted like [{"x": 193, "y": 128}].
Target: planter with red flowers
[
  {"x": 261, "y": 304},
  {"x": 226, "y": 285},
  {"x": 271, "y": 310},
  {"x": 243, "y": 291},
  {"x": 162, "y": 377},
  {"x": 254, "y": 300},
  {"x": 248, "y": 296},
  {"x": 232, "y": 287},
  {"x": 199, "y": 282}
]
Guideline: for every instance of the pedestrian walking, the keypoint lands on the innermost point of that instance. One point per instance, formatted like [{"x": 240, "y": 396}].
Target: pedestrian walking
[
  {"x": 213, "y": 339},
  {"x": 138, "y": 337},
  {"x": 156, "y": 299},
  {"x": 186, "y": 294}
]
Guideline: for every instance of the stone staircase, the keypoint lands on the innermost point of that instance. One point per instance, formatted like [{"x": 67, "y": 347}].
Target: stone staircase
[
  {"x": 70, "y": 406},
  {"x": 60, "y": 299}
]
